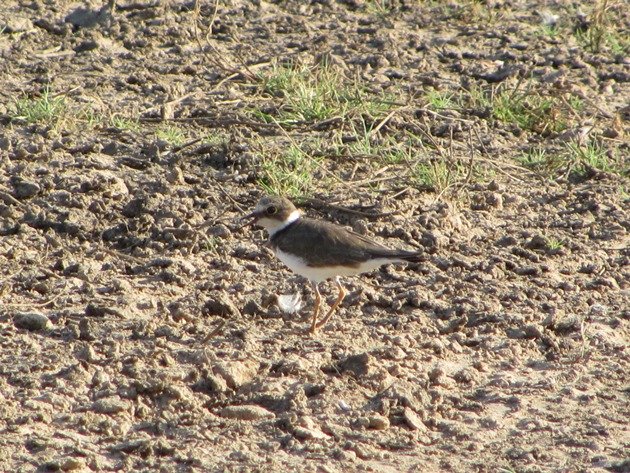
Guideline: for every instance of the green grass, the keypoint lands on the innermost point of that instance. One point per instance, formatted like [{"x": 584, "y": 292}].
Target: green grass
[
  {"x": 409, "y": 150},
  {"x": 554, "y": 244},
  {"x": 437, "y": 175},
  {"x": 212, "y": 244},
  {"x": 604, "y": 30},
  {"x": 124, "y": 124},
  {"x": 527, "y": 109},
  {"x": 315, "y": 94},
  {"x": 48, "y": 109},
  {"x": 364, "y": 144},
  {"x": 216, "y": 138},
  {"x": 576, "y": 158},
  {"x": 379, "y": 7},
  {"x": 56, "y": 112},
  {"x": 592, "y": 155},
  {"x": 171, "y": 134},
  {"x": 440, "y": 100},
  {"x": 473, "y": 12},
  {"x": 309, "y": 95},
  {"x": 529, "y": 112},
  {"x": 576, "y": 103},
  {"x": 381, "y": 150},
  {"x": 384, "y": 151},
  {"x": 401, "y": 151},
  {"x": 618, "y": 43},
  {"x": 534, "y": 158},
  {"x": 544, "y": 163},
  {"x": 91, "y": 118},
  {"x": 290, "y": 173},
  {"x": 551, "y": 31}
]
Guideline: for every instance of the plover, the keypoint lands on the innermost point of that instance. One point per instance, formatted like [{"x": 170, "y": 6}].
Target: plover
[{"x": 320, "y": 250}]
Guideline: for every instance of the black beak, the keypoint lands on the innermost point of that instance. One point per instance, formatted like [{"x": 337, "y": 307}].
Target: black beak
[
  {"x": 249, "y": 219},
  {"x": 254, "y": 216}
]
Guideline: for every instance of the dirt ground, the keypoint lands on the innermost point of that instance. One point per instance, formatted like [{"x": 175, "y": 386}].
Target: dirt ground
[{"x": 140, "y": 328}]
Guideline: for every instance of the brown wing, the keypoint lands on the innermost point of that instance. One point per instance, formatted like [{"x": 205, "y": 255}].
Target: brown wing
[{"x": 327, "y": 244}]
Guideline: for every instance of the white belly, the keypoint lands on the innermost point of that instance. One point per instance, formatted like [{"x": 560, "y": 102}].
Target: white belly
[{"x": 318, "y": 274}]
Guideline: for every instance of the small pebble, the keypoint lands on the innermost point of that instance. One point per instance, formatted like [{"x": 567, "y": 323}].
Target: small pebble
[
  {"x": 247, "y": 412},
  {"x": 31, "y": 321},
  {"x": 413, "y": 420},
  {"x": 23, "y": 189},
  {"x": 377, "y": 422},
  {"x": 303, "y": 433},
  {"x": 109, "y": 406}
]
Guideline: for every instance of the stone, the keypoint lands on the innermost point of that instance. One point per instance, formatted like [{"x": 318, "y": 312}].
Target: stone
[
  {"x": 220, "y": 304},
  {"x": 111, "y": 405},
  {"x": 31, "y": 321},
  {"x": 220, "y": 231},
  {"x": 359, "y": 364},
  {"x": 304, "y": 433},
  {"x": 378, "y": 422},
  {"x": 413, "y": 420},
  {"x": 246, "y": 412},
  {"x": 236, "y": 373},
  {"x": 24, "y": 189},
  {"x": 15, "y": 24}
]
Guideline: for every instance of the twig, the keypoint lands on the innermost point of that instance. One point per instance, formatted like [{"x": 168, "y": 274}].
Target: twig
[
  {"x": 445, "y": 117},
  {"x": 502, "y": 171},
  {"x": 177, "y": 149},
  {"x": 118, "y": 254},
  {"x": 215, "y": 331},
  {"x": 375, "y": 130},
  {"x": 169, "y": 103},
  {"x": 495, "y": 165},
  {"x": 67, "y": 92},
  {"x": 402, "y": 192},
  {"x": 214, "y": 122},
  {"x": 9, "y": 199},
  {"x": 472, "y": 159},
  {"x": 196, "y": 15},
  {"x": 53, "y": 53},
  {"x": 38, "y": 304},
  {"x": 231, "y": 70},
  {"x": 371, "y": 180},
  {"x": 227, "y": 194},
  {"x": 314, "y": 202}
]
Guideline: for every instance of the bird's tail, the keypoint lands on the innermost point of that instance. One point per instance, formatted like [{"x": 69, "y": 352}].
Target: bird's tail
[
  {"x": 412, "y": 256},
  {"x": 403, "y": 255}
]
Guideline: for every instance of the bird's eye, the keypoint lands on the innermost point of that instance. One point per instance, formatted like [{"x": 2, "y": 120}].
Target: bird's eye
[{"x": 272, "y": 210}]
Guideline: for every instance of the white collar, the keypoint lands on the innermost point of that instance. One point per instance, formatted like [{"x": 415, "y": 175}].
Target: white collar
[{"x": 293, "y": 216}]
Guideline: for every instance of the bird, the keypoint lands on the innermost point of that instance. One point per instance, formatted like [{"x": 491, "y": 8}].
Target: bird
[{"x": 319, "y": 250}]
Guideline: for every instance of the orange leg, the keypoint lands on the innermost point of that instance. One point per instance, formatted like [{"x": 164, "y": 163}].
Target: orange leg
[
  {"x": 318, "y": 299},
  {"x": 342, "y": 294}
]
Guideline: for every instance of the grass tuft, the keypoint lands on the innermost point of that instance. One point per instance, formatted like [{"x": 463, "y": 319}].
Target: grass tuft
[
  {"x": 576, "y": 158},
  {"x": 590, "y": 156},
  {"x": 48, "y": 109},
  {"x": 440, "y": 100},
  {"x": 290, "y": 173},
  {"x": 528, "y": 110},
  {"x": 124, "y": 124},
  {"x": 171, "y": 134},
  {"x": 437, "y": 175},
  {"x": 542, "y": 162},
  {"x": 379, "y": 7},
  {"x": 600, "y": 31},
  {"x": 316, "y": 94},
  {"x": 554, "y": 244}
]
